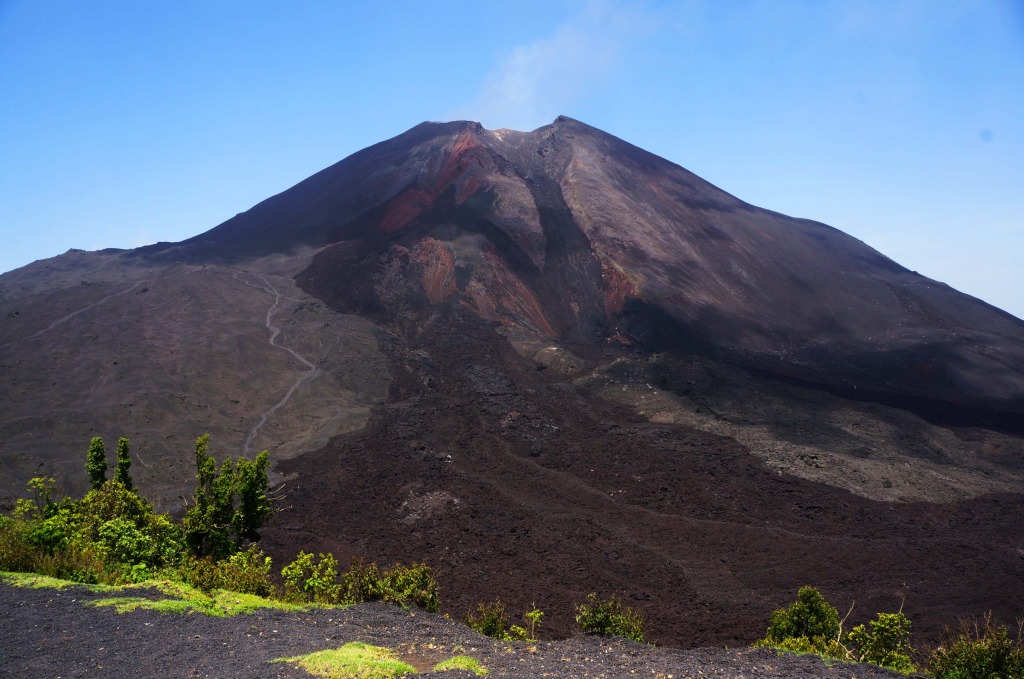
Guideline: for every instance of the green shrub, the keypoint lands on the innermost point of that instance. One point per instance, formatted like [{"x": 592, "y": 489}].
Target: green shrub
[
  {"x": 532, "y": 618},
  {"x": 316, "y": 579},
  {"x": 885, "y": 641},
  {"x": 111, "y": 535},
  {"x": 96, "y": 463},
  {"x": 311, "y": 579},
  {"x": 55, "y": 532},
  {"x": 809, "y": 616},
  {"x": 124, "y": 463},
  {"x": 978, "y": 651},
  {"x": 247, "y": 572},
  {"x": 41, "y": 502},
  {"x": 17, "y": 553},
  {"x": 411, "y": 585},
  {"x": 609, "y": 617},
  {"x": 125, "y": 530},
  {"x": 808, "y": 625},
  {"x": 491, "y": 620},
  {"x": 826, "y": 648},
  {"x": 362, "y": 582},
  {"x": 202, "y": 573}
]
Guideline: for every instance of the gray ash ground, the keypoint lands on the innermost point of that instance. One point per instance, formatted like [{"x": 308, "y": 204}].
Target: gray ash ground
[{"x": 53, "y": 633}]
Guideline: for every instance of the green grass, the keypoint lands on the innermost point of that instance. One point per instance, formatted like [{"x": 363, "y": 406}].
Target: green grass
[
  {"x": 461, "y": 662},
  {"x": 182, "y": 598},
  {"x": 178, "y": 597},
  {"x": 33, "y": 581},
  {"x": 354, "y": 660}
]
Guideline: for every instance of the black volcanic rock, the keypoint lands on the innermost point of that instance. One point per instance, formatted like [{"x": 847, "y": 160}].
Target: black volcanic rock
[{"x": 575, "y": 234}]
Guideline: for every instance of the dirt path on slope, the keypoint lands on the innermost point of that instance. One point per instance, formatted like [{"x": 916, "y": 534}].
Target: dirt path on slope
[{"x": 275, "y": 331}]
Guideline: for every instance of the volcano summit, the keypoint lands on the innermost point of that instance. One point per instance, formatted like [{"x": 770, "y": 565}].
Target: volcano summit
[{"x": 545, "y": 363}]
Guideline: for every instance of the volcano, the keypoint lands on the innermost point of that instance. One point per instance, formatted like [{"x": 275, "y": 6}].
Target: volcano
[{"x": 548, "y": 363}]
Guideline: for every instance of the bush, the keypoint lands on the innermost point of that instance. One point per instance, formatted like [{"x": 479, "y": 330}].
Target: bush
[
  {"x": 809, "y": 616},
  {"x": 609, "y": 617},
  {"x": 415, "y": 584},
  {"x": 491, "y": 620},
  {"x": 311, "y": 579},
  {"x": 202, "y": 573},
  {"x": 826, "y": 648},
  {"x": 125, "y": 530},
  {"x": 17, "y": 553},
  {"x": 247, "y": 572},
  {"x": 885, "y": 642},
  {"x": 362, "y": 582},
  {"x": 808, "y": 625},
  {"x": 974, "y": 652},
  {"x": 111, "y": 535}
]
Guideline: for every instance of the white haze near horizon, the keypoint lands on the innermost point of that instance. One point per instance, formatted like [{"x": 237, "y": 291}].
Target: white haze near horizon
[{"x": 901, "y": 123}]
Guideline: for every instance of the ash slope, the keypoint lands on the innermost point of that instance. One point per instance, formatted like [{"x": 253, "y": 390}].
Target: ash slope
[{"x": 572, "y": 233}]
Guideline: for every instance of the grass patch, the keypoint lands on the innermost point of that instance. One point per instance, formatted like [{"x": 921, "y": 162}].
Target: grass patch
[
  {"x": 33, "y": 581},
  {"x": 127, "y": 604},
  {"x": 461, "y": 662},
  {"x": 182, "y": 598},
  {"x": 354, "y": 660},
  {"x": 177, "y": 597}
]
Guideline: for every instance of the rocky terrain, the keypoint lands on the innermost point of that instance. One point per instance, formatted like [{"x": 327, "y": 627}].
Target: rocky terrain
[
  {"x": 54, "y": 634},
  {"x": 549, "y": 363}
]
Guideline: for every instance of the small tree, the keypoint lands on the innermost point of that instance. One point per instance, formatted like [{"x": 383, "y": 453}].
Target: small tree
[
  {"x": 808, "y": 625},
  {"x": 809, "y": 616},
  {"x": 229, "y": 505},
  {"x": 96, "y": 463},
  {"x": 124, "y": 461},
  {"x": 251, "y": 486}
]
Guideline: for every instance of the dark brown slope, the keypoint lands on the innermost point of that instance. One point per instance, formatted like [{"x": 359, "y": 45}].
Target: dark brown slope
[
  {"x": 572, "y": 233},
  {"x": 519, "y": 484}
]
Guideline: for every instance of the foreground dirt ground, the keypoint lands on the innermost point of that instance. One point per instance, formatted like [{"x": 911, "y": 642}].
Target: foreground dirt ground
[{"x": 52, "y": 633}]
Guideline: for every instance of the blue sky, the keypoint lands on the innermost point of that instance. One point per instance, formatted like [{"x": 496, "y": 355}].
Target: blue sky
[{"x": 899, "y": 122}]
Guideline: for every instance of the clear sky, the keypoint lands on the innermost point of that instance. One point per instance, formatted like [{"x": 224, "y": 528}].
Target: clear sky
[{"x": 900, "y": 122}]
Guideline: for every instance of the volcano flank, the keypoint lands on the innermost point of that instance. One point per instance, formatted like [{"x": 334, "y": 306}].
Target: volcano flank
[{"x": 548, "y": 363}]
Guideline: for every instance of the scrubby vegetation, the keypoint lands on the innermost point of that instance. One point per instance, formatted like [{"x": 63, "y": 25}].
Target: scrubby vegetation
[
  {"x": 812, "y": 625},
  {"x": 808, "y": 625},
  {"x": 111, "y": 535},
  {"x": 114, "y": 541},
  {"x": 492, "y": 620},
  {"x": 114, "y": 536},
  {"x": 316, "y": 579},
  {"x": 977, "y": 650},
  {"x": 609, "y": 616}
]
